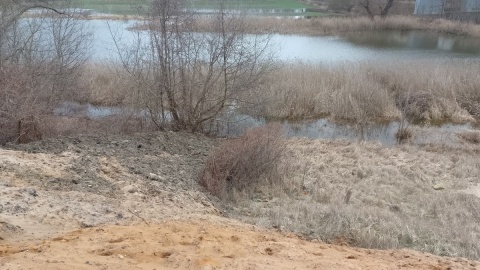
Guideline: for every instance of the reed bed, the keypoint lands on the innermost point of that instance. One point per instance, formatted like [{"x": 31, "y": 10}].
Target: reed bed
[
  {"x": 418, "y": 90},
  {"x": 431, "y": 90},
  {"x": 325, "y": 26}
]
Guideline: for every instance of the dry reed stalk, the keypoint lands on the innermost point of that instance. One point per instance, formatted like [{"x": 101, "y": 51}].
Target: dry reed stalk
[
  {"x": 337, "y": 25},
  {"x": 426, "y": 90}
]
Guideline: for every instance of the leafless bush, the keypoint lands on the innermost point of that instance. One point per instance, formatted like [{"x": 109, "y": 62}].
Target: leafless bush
[
  {"x": 40, "y": 62},
  {"x": 244, "y": 163},
  {"x": 186, "y": 78}
]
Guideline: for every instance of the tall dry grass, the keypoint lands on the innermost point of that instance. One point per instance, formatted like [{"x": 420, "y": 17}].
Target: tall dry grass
[
  {"x": 419, "y": 90},
  {"x": 338, "y": 25},
  {"x": 432, "y": 90},
  {"x": 369, "y": 196},
  {"x": 107, "y": 85}
]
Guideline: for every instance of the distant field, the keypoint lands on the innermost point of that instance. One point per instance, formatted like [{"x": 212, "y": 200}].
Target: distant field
[
  {"x": 127, "y": 6},
  {"x": 252, "y": 4},
  {"x": 112, "y": 6}
]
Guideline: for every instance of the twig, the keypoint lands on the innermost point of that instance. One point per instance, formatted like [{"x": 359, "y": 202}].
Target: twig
[{"x": 133, "y": 213}]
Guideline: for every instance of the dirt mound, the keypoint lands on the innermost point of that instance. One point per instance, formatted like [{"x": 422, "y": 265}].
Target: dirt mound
[
  {"x": 67, "y": 183},
  {"x": 201, "y": 244}
]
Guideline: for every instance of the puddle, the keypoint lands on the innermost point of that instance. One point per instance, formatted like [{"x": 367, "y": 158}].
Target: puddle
[
  {"x": 325, "y": 129},
  {"x": 234, "y": 124},
  {"x": 74, "y": 109}
]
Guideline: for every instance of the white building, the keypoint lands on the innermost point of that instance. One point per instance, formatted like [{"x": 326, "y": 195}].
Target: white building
[{"x": 432, "y": 7}]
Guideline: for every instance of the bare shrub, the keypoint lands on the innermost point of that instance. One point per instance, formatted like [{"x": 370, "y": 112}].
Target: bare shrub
[
  {"x": 186, "y": 79},
  {"x": 40, "y": 62},
  {"x": 244, "y": 163},
  {"x": 28, "y": 130}
]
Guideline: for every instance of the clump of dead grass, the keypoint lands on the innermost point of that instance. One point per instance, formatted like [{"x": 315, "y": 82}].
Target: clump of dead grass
[{"x": 245, "y": 163}]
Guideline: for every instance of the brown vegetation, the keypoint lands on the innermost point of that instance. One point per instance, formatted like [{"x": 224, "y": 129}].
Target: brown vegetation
[
  {"x": 28, "y": 130},
  {"x": 40, "y": 63},
  {"x": 470, "y": 136},
  {"x": 324, "y": 26},
  {"x": 369, "y": 196},
  {"x": 245, "y": 163},
  {"x": 374, "y": 91}
]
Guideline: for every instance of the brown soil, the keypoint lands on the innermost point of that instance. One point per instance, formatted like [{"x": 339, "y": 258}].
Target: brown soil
[
  {"x": 133, "y": 203},
  {"x": 207, "y": 243}
]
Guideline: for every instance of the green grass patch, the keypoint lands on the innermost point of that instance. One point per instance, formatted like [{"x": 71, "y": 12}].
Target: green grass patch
[
  {"x": 127, "y": 6},
  {"x": 121, "y": 7}
]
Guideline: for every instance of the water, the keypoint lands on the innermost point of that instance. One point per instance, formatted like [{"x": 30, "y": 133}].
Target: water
[
  {"x": 378, "y": 132},
  {"x": 235, "y": 124},
  {"x": 356, "y": 47},
  {"x": 416, "y": 40}
]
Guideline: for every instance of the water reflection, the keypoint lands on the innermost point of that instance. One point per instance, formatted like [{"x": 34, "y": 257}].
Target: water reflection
[
  {"x": 233, "y": 124},
  {"x": 354, "y": 47},
  {"x": 384, "y": 133},
  {"x": 420, "y": 40}
]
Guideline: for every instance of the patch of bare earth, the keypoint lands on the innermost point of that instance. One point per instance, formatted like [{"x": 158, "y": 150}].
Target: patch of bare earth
[
  {"x": 132, "y": 202},
  {"x": 208, "y": 243}
]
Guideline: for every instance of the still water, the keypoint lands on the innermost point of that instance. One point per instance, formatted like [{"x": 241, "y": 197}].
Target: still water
[
  {"x": 360, "y": 46},
  {"x": 236, "y": 124}
]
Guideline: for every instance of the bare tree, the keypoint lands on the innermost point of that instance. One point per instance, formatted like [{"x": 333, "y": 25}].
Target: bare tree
[
  {"x": 39, "y": 61},
  {"x": 372, "y": 7},
  {"x": 195, "y": 76},
  {"x": 341, "y": 5}
]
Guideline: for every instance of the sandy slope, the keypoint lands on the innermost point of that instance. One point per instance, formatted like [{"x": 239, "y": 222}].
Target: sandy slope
[{"x": 209, "y": 243}]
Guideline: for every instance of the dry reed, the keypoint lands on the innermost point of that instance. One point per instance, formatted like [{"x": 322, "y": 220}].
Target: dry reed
[
  {"x": 432, "y": 90},
  {"x": 337, "y": 25}
]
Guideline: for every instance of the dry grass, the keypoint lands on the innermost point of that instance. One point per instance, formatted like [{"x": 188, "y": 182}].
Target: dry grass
[
  {"x": 337, "y": 25},
  {"x": 430, "y": 90},
  {"x": 369, "y": 196},
  {"x": 470, "y": 136},
  {"x": 421, "y": 90},
  {"x": 106, "y": 85},
  {"x": 242, "y": 164}
]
